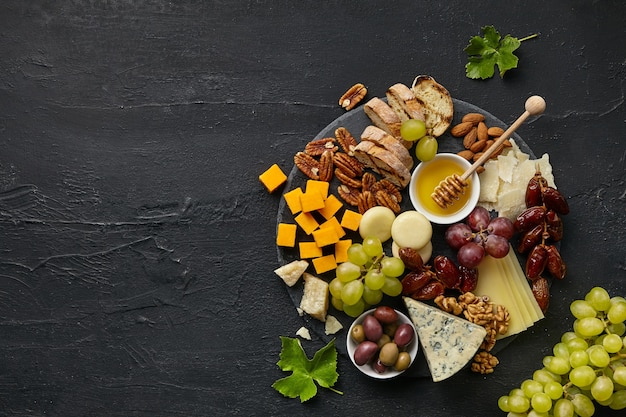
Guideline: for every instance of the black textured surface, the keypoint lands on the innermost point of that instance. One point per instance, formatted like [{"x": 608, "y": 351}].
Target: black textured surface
[{"x": 137, "y": 244}]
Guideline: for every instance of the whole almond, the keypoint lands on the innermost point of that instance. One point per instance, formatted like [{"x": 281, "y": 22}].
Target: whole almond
[
  {"x": 482, "y": 131},
  {"x": 470, "y": 138},
  {"x": 461, "y": 129},
  {"x": 507, "y": 143},
  {"x": 475, "y": 118},
  {"x": 477, "y": 156},
  {"x": 495, "y": 131},
  {"x": 466, "y": 154},
  {"x": 478, "y": 146}
]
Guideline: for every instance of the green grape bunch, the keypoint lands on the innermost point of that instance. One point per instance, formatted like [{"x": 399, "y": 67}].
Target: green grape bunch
[
  {"x": 587, "y": 367},
  {"x": 365, "y": 278}
]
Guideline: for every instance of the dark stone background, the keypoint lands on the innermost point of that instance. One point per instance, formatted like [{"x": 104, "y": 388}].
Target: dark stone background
[{"x": 137, "y": 244}]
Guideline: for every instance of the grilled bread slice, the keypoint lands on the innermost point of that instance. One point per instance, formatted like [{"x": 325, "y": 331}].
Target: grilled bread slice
[
  {"x": 385, "y": 140},
  {"x": 383, "y": 116},
  {"x": 383, "y": 162},
  {"x": 436, "y": 103},
  {"x": 402, "y": 100}
]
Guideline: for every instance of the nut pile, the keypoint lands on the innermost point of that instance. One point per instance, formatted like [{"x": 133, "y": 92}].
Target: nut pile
[
  {"x": 333, "y": 157},
  {"x": 477, "y": 136},
  {"x": 479, "y": 310}
]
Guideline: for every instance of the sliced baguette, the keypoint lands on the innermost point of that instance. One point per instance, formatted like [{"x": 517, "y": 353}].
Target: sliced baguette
[
  {"x": 383, "y": 116},
  {"x": 436, "y": 103},
  {"x": 393, "y": 145},
  {"x": 402, "y": 100},
  {"x": 383, "y": 162}
]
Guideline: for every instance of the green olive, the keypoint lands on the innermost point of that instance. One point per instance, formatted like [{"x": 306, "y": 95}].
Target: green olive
[
  {"x": 403, "y": 361},
  {"x": 357, "y": 334},
  {"x": 388, "y": 354},
  {"x": 384, "y": 339}
]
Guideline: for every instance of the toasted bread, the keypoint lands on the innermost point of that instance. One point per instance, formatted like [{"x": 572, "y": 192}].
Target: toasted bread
[
  {"x": 382, "y": 138},
  {"x": 402, "y": 100},
  {"x": 436, "y": 103},
  {"x": 383, "y": 116},
  {"x": 383, "y": 162}
]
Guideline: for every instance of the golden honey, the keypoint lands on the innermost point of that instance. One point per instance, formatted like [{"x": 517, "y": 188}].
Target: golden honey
[{"x": 430, "y": 177}]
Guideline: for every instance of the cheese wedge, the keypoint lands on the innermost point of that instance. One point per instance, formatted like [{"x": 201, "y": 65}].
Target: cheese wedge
[{"x": 449, "y": 342}]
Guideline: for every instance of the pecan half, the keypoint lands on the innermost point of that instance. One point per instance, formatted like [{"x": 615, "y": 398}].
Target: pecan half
[
  {"x": 346, "y": 179},
  {"x": 318, "y": 146},
  {"x": 366, "y": 201},
  {"x": 353, "y": 96},
  {"x": 389, "y": 188},
  {"x": 346, "y": 140},
  {"x": 384, "y": 199},
  {"x": 308, "y": 165},
  {"x": 326, "y": 166},
  {"x": 349, "y": 195},
  {"x": 368, "y": 181},
  {"x": 349, "y": 165}
]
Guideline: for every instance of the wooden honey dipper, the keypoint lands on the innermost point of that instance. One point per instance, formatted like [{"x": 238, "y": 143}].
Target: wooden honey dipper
[{"x": 449, "y": 188}]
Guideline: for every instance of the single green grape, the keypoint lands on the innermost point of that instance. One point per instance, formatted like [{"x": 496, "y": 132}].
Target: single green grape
[
  {"x": 426, "y": 148},
  {"x": 392, "y": 266},
  {"x": 373, "y": 246},
  {"x": 543, "y": 376},
  {"x": 583, "y": 406},
  {"x": 602, "y": 388},
  {"x": 563, "y": 408},
  {"x": 347, "y": 271},
  {"x": 553, "y": 389},
  {"x": 567, "y": 336},
  {"x": 392, "y": 287},
  {"x": 581, "y": 309},
  {"x": 534, "y": 413},
  {"x": 519, "y": 404},
  {"x": 503, "y": 403},
  {"x": 541, "y": 402},
  {"x": 589, "y": 326},
  {"x": 561, "y": 350},
  {"x": 577, "y": 343},
  {"x": 335, "y": 287},
  {"x": 617, "y": 312},
  {"x": 531, "y": 387},
  {"x": 351, "y": 293},
  {"x": 336, "y": 302},
  {"x": 616, "y": 328},
  {"x": 374, "y": 279},
  {"x": 619, "y": 375},
  {"x": 598, "y": 356},
  {"x": 612, "y": 343},
  {"x": 557, "y": 365},
  {"x": 355, "y": 310},
  {"x": 599, "y": 299},
  {"x": 578, "y": 358},
  {"x": 357, "y": 255},
  {"x": 412, "y": 129},
  {"x": 516, "y": 391},
  {"x": 372, "y": 297},
  {"x": 582, "y": 376},
  {"x": 618, "y": 400}
]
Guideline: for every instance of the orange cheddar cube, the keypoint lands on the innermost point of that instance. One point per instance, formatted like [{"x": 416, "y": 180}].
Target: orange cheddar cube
[
  {"x": 286, "y": 234},
  {"x": 309, "y": 250},
  {"x": 331, "y": 207},
  {"x": 341, "y": 250},
  {"x": 311, "y": 201},
  {"x": 326, "y": 236},
  {"x": 273, "y": 178},
  {"x": 334, "y": 223},
  {"x": 292, "y": 198},
  {"x": 307, "y": 222},
  {"x": 351, "y": 220},
  {"x": 324, "y": 264},
  {"x": 320, "y": 186}
]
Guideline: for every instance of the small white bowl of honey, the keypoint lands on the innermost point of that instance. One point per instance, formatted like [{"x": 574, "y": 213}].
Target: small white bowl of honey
[{"x": 427, "y": 175}]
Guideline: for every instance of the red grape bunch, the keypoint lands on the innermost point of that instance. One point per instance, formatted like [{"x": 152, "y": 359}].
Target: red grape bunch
[{"x": 478, "y": 236}]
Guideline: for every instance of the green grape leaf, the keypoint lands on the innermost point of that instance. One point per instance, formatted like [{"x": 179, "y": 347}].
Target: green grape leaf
[
  {"x": 491, "y": 50},
  {"x": 306, "y": 372}
]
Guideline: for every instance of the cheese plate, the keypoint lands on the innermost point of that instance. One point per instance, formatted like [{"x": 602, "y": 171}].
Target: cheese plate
[{"x": 355, "y": 121}]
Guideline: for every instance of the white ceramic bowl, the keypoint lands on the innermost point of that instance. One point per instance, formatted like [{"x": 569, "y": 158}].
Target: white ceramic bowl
[
  {"x": 367, "y": 369},
  {"x": 417, "y": 178}
]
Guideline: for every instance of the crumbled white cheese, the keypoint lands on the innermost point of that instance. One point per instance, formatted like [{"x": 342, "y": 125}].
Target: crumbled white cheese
[
  {"x": 332, "y": 325},
  {"x": 304, "y": 333}
]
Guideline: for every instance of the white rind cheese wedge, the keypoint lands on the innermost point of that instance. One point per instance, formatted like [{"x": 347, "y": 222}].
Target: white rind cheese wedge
[{"x": 449, "y": 342}]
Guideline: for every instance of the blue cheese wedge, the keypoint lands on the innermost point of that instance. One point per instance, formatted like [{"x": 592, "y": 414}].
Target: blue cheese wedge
[{"x": 449, "y": 342}]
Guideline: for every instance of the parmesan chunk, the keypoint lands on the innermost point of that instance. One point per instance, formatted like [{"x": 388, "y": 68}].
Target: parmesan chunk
[{"x": 291, "y": 272}]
